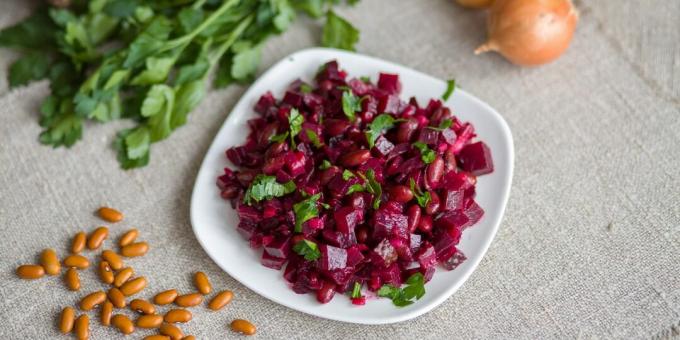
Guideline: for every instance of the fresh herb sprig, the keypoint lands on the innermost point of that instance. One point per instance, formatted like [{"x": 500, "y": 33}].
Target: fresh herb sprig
[
  {"x": 148, "y": 61},
  {"x": 401, "y": 297}
]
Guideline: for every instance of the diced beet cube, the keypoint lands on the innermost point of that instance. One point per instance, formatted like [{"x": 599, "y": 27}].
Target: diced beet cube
[
  {"x": 384, "y": 254},
  {"x": 463, "y": 137},
  {"x": 428, "y": 136},
  {"x": 426, "y": 256},
  {"x": 454, "y": 261},
  {"x": 271, "y": 261},
  {"x": 445, "y": 247},
  {"x": 449, "y": 136},
  {"x": 391, "y": 275},
  {"x": 415, "y": 241},
  {"x": 359, "y": 87},
  {"x": 354, "y": 256},
  {"x": 329, "y": 71},
  {"x": 453, "y": 199},
  {"x": 246, "y": 228},
  {"x": 474, "y": 213},
  {"x": 280, "y": 247},
  {"x": 387, "y": 223},
  {"x": 332, "y": 257},
  {"x": 295, "y": 163},
  {"x": 312, "y": 226},
  {"x": 389, "y": 83},
  {"x": 334, "y": 238},
  {"x": 389, "y": 104},
  {"x": 339, "y": 276},
  {"x": 383, "y": 146},
  {"x": 432, "y": 106},
  {"x": 403, "y": 248},
  {"x": 264, "y": 103},
  {"x": 290, "y": 272},
  {"x": 476, "y": 159},
  {"x": 451, "y": 219},
  {"x": 312, "y": 100},
  {"x": 248, "y": 213},
  {"x": 347, "y": 218}
]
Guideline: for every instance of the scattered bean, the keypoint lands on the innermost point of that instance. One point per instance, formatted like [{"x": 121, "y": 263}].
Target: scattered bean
[
  {"x": 202, "y": 283},
  {"x": 113, "y": 259},
  {"x": 220, "y": 300},
  {"x": 110, "y": 214},
  {"x": 156, "y": 337},
  {"x": 105, "y": 272},
  {"x": 50, "y": 262},
  {"x": 189, "y": 300},
  {"x": 76, "y": 261},
  {"x": 116, "y": 297},
  {"x": 122, "y": 276},
  {"x": 66, "y": 320},
  {"x": 97, "y": 237},
  {"x": 78, "y": 242},
  {"x": 133, "y": 286},
  {"x": 128, "y": 237},
  {"x": 172, "y": 331},
  {"x": 135, "y": 249},
  {"x": 106, "y": 313},
  {"x": 123, "y": 323},
  {"x": 243, "y": 327},
  {"x": 72, "y": 279},
  {"x": 166, "y": 297},
  {"x": 142, "y": 306},
  {"x": 30, "y": 271},
  {"x": 149, "y": 321},
  {"x": 177, "y": 315},
  {"x": 82, "y": 327},
  {"x": 355, "y": 158},
  {"x": 92, "y": 300}
]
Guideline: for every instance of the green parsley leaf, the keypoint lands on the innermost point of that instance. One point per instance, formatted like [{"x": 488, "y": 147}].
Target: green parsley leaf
[
  {"x": 379, "y": 125},
  {"x": 265, "y": 188},
  {"x": 33, "y": 66},
  {"x": 339, "y": 33},
  {"x": 36, "y": 32},
  {"x": 121, "y": 8},
  {"x": 305, "y": 210},
  {"x": 187, "y": 97},
  {"x": 280, "y": 137},
  {"x": 346, "y": 175},
  {"x": 308, "y": 249},
  {"x": 350, "y": 105},
  {"x": 365, "y": 79},
  {"x": 158, "y": 105},
  {"x": 426, "y": 154},
  {"x": 355, "y": 188},
  {"x": 157, "y": 70},
  {"x": 133, "y": 142},
  {"x": 356, "y": 290},
  {"x": 415, "y": 289},
  {"x": 314, "y": 138},
  {"x": 325, "y": 165},
  {"x": 443, "y": 125},
  {"x": 422, "y": 198},
  {"x": 450, "y": 86},
  {"x": 295, "y": 120},
  {"x": 373, "y": 187},
  {"x": 305, "y": 88},
  {"x": 245, "y": 61}
]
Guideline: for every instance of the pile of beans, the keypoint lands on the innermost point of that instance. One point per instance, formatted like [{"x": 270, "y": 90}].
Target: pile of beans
[{"x": 112, "y": 271}]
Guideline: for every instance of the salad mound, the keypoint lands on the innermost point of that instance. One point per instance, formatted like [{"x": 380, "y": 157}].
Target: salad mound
[{"x": 348, "y": 186}]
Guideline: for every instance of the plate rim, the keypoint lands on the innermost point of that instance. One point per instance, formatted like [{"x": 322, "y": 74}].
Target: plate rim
[{"x": 414, "y": 312}]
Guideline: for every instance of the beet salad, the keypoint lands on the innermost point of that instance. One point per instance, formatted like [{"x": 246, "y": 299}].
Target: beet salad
[{"x": 351, "y": 189}]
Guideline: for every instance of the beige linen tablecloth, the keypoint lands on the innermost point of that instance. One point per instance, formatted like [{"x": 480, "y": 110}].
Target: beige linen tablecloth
[{"x": 589, "y": 246}]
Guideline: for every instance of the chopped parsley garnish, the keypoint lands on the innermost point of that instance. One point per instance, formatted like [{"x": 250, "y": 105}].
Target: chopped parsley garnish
[
  {"x": 295, "y": 120},
  {"x": 355, "y": 188},
  {"x": 346, "y": 175},
  {"x": 305, "y": 88},
  {"x": 365, "y": 79},
  {"x": 265, "y": 188},
  {"x": 314, "y": 138},
  {"x": 350, "y": 105},
  {"x": 443, "y": 125},
  {"x": 356, "y": 290},
  {"x": 308, "y": 249},
  {"x": 379, "y": 125},
  {"x": 426, "y": 154},
  {"x": 422, "y": 198},
  {"x": 305, "y": 210},
  {"x": 401, "y": 297},
  {"x": 280, "y": 137},
  {"x": 450, "y": 87},
  {"x": 325, "y": 165},
  {"x": 373, "y": 187}
]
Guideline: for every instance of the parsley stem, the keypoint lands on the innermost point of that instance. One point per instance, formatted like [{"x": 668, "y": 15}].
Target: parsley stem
[
  {"x": 231, "y": 38},
  {"x": 186, "y": 39}
]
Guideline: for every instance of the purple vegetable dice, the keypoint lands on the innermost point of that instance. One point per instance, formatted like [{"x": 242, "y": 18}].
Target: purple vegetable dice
[
  {"x": 332, "y": 257},
  {"x": 280, "y": 247},
  {"x": 384, "y": 254},
  {"x": 387, "y": 224},
  {"x": 476, "y": 159},
  {"x": 271, "y": 261},
  {"x": 389, "y": 83}
]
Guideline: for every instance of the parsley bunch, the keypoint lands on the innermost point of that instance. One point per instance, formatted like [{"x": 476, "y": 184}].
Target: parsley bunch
[{"x": 148, "y": 60}]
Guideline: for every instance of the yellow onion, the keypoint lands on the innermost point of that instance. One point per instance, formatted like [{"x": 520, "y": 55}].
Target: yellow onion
[
  {"x": 475, "y": 3},
  {"x": 530, "y": 32}
]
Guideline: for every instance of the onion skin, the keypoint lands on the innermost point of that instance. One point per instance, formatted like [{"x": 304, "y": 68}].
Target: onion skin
[
  {"x": 530, "y": 32},
  {"x": 475, "y": 3}
]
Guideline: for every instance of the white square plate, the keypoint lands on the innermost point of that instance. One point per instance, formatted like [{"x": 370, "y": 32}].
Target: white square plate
[{"x": 214, "y": 221}]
